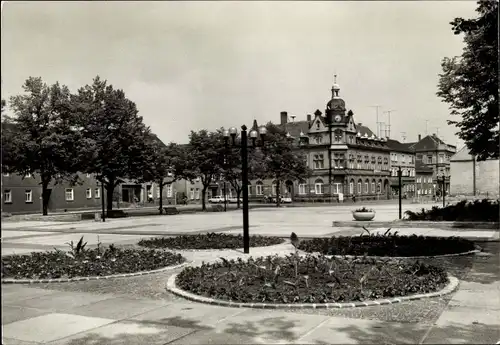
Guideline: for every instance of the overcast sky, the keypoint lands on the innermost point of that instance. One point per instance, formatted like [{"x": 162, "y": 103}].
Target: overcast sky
[{"x": 194, "y": 65}]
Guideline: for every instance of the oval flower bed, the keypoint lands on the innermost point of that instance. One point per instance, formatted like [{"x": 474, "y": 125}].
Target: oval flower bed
[
  {"x": 86, "y": 263},
  {"x": 388, "y": 245},
  {"x": 208, "y": 241},
  {"x": 309, "y": 279}
]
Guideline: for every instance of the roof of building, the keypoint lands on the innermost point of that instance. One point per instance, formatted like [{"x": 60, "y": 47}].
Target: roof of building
[
  {"x": 295, "y": 128},
  {"x": 429, "y": 142},
  {"x": 399, "y": 147},
  {"x": 364, "y": 130},
  {"x": 462, "y": 155}
]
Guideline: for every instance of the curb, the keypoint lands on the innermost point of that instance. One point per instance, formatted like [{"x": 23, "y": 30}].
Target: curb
[
  {"x": 171, "y": 287},
  {"x": 404, "y": 224},
  {"x": 475, "y": 251},
  {"x": 78, "y": 279},
  {"x": 179, "y": 251}
]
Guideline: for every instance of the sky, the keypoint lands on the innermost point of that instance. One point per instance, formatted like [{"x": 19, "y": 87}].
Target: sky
[{"x": 205, "y": 65}]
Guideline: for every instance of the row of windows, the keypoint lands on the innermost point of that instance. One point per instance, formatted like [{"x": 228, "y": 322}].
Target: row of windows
[
  {"x": 28, "y": 175},
  {"x": 404, "y": 172},
  {"x": 69, "y": 195},
  {"x": 394, "y": 158}
]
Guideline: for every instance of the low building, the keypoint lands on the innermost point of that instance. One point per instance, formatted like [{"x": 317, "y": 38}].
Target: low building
[{"x": 472, "y": 177}]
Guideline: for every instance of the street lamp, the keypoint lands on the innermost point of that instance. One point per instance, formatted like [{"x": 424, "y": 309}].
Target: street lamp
[
  {"x": 400, "y": 188},
  {"x": 442, "y": 179},
  {"x": 243, "y": 146}
]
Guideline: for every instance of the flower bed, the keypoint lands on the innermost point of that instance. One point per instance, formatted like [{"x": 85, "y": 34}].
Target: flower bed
[
  {"x": 477, "y": 211},
  {"x": 92, "y": 262},
  {"x": 208, "y": 241},
  {"x": 309, "y": 279},
  {"x": 388, "y": 245}
]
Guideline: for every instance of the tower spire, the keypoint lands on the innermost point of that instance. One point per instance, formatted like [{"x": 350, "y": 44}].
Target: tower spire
[{"x": 335, "y": 87}]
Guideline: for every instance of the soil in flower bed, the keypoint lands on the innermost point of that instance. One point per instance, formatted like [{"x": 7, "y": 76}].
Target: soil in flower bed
[
  {"x": 91, "y": 262},
  {"x": 310, "y": 279},
  {"x": 208, "y": 241},
  {"x": 390, "y": 246}
]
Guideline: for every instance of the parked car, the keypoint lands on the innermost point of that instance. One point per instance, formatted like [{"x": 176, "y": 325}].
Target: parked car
[{"x": 219, "y": 199}]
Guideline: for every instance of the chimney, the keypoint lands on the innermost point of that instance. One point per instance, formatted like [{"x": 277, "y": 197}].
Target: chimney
[
  {"x": 360, "y": 124},
  {"x": 419, "y": 137},
  {"x": 284, "y": 117},
  {"x": 308, "y": 117}
]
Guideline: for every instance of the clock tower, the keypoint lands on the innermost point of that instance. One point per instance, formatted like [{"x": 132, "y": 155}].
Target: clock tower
[{"x": 335, "y": 108}]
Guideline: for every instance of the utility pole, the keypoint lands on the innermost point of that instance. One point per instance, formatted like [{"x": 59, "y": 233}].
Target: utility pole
[
  {"x": 378, "y": 123},
  {"x": 400, "y": 189},
  {"x": 388, "y": 112},
  {"x": 426, "y": 125}
]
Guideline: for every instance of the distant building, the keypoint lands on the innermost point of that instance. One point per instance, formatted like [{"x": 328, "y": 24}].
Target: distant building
[
  {"x": 404, "y": 157},
  {"x": 470, "y": 177},
  {"x": 434, "y": 153}
]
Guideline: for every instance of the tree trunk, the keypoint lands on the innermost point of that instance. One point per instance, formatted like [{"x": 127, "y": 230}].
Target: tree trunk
[
  {"x": 203, "y": 193},
  {"x": 160, "y": 185},
  {"x": 238, "y": 193},
  {"x": 278, "y": 201},
  {"x": 110, "y": 188},
  {"x": 45, "y": 197}
]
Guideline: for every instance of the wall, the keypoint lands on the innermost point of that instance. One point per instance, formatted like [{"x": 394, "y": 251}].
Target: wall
[{"x": 487, "y": 177}]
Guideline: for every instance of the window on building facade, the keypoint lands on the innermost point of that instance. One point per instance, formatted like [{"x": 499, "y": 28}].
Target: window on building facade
[
  {"x": 338, "y": 160},
  {"x": 97, "y": 193},
  {"x": 367, "y": 162},
  {"x": 69, "y": 194},
  {"x": 412, "y": 159},
  {"x": 197, "y": 194},
  {"x": 88, "y": 193},
  {"x": 337, "y": 137},
  {"x": 7, "y": 196},
  {"x": 319, "y": 161},
  {"x": 441, "y": 159},
  {"x": 366, "y": 187},
  {"x": 318, "y": 186},
  {"x": 249, "y": 189},
  {"x": 429, "y": 159},
  {"x": 379, "y": 188},
  {"x": 419, "y": 179},
  {"x": 351, "y": 188},
  {"x": 318, "y": 140},
  {"x": 191, "y": 194},
  {"x": 273, "y": 189},
  {"x": 169, "y": 190},
  {"x": 337, "y": 188},
  {"x": 28, "y": 196},
  {"x": 360, "y": 161},
  {"x": 158, "y": 192},
  {"x": 373, "y": 187},
  {"x": 302, "y": 189},
  {"x": 258, "y": 188},
  {"x": 359, "y": 187}
]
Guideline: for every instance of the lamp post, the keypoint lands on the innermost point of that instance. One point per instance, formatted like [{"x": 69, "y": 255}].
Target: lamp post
[
  {"x": 399, "y": 184},
  {"x": 443, "y": 191},
  {"x": 232, "y": 132}
]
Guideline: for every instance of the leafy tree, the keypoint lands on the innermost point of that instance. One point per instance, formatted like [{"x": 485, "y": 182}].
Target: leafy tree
[
  {"x": 166, "y": 164},
  {"x": 204, "y": 158},
  {"x": 39, "y": 139},
  {"x": 469, "y": 83},
  {"x": 280, "y": 159},
  {"x": 114, "y": 136}
]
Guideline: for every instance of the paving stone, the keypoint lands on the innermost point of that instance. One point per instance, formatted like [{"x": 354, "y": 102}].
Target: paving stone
[
  {"x": 15, "y": 293},
  {"x": 51, "y": 327},
  {"x": 219, "y": 338},
  {"x": 482, "y": 296},
  {"x": 12, "y": 314},
  {"x": 61, "y": 301},
  {"x": 273, "y": 326},
  {"x": 117, "y": 308},
  {"x": 189, "y": 315},
  {"x": 354, "y": 331},
  {"x": 130, "y": 333}
]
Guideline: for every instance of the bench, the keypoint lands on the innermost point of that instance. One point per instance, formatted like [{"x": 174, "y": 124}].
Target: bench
[
  {"x": 217, "y": 208},
  {"x": 171, "y": 210}
]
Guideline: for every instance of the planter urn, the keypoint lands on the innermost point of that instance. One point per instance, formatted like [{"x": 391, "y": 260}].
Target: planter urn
[{"x": 363, "y": 216}]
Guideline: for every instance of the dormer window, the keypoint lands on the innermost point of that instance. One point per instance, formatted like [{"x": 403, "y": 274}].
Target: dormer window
[
  {"x": 318, "y": 140},
  {"x": 317, "y": 125}
]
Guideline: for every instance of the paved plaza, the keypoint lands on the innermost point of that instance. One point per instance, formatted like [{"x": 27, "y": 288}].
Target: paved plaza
[{"x": 139, "y": 310}]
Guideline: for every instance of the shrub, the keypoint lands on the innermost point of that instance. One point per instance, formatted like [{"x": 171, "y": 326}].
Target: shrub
[
  {"x": 364, "y": 209},
  {"x": 208, "y": 241},
  {"x": 477, "y": 211},
  {"x": 309, "y": 279}
]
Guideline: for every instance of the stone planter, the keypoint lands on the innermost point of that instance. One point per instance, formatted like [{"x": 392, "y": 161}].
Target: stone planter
[{"x": 363, "y": 216}]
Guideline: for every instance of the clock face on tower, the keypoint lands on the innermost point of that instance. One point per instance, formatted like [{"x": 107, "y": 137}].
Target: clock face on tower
[{"x": 338, "y": 118}]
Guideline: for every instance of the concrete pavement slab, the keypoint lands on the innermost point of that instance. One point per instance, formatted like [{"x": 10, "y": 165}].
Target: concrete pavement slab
[
  {"x": 126, "y": 332},
  {"x": 8, "y": 234},
  {"x": 189, "y": 315},
  {"x": 51, "y": 327},
  {"x": 15, "y": 293},
  {"x": 337, "y": 330},
  {"x": 12, "y": 314},
  {"x": 217, "y": 338},
  {"x": 117, "y": 308},
  {"x": 61, "y": 301},
  {"x": 272, "y": 326},
  {"x": 477, "y": 295}
]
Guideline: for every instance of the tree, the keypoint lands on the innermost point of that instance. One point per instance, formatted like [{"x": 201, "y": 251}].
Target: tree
[
  {"x": 204, "y": 158},
  {"x": 280, "y": 160},
  {"x": 166, "y": 164},
  {"x": 114, "y": 136},
  {"x": 39, "y": 139},
  {"x": 469, "y": 83}
]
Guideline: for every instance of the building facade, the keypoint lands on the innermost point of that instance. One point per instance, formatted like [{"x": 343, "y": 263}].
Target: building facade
[
  {"x": 402, "y": 157},
  {"x": 470, "y": 177},
  {"x": 346, "y": 158},
  {"x": 435, "y": 154}
]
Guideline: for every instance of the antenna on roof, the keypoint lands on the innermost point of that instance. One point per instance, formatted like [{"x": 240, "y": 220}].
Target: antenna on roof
[
  {"x": 426, "y": 130},
  {"x": 388, "y": 127},
  {"x": 378, "y": 123},
  {"x": 403, "y": 136},
  {"x": 437, "y": 132}
]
